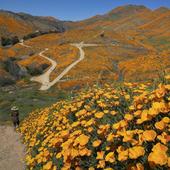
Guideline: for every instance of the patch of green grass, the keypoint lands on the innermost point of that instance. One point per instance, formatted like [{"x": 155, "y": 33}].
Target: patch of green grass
[{"x": 28, "y": 99}]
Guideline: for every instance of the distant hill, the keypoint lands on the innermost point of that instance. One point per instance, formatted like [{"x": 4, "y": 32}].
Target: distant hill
[
  {"x": 151, "y": 27},
  {"x": 122, "y": 18},
  {"x": 20, "y": 24}
]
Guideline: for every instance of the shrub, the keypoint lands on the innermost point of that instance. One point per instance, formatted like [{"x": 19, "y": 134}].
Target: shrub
[
  {"x": 9, "y": 41},
  {"x": 5, "y": 41},
  {"x": 5, "y": 81},
  {"x": 34, "y": 70}
]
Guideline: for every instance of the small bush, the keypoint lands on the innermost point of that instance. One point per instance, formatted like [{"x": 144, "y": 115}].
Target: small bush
[
  {"x": 5, "y": 81},
  {"x": 9, "y": 41}
]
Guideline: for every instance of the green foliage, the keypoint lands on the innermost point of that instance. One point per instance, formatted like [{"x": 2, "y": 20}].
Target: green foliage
[
  {"x": 9, "y": 41},
  {"x": 28, "y": 99},
  {"x": 6, "y": 81}
]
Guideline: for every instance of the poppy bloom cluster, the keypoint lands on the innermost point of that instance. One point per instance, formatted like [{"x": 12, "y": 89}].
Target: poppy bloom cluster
[{"x": 102, "y": 128}]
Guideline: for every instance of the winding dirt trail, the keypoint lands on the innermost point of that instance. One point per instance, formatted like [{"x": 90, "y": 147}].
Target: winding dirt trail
[
  {"x": 67, "y": 69},
  {"x": 44, "y": 79},
  {"x": 11, "y": 150}
]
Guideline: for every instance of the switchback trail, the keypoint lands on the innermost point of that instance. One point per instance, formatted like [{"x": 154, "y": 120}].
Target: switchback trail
[
  {"x": 67, "y": 69},
  {"x": 12, "y": 153},
  {"x": 44, "y": 79}
]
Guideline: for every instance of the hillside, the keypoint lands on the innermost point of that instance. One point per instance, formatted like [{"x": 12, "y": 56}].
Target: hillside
[
  {"x": 114, "y": 58},
  {"x": 92, "y": 94},
  {"x": 122, "y": 17},
  {"x": 20, "y": 24},
  {"x": 117, "y": 54},
  {"x": 130, "y": 43},
  {"x": 102, "y": 128},
  {"x": 151, "y": 27}
]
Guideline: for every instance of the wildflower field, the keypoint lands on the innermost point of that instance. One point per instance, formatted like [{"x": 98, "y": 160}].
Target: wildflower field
[{"x": 102, "y": 128}]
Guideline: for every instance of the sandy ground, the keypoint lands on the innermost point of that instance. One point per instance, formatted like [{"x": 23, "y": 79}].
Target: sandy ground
[{"x": 11, "y": 149}]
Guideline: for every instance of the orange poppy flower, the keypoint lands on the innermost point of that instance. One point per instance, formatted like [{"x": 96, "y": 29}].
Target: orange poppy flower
[
  {"x": 136, "y": 151},
  {"x": 158, "y": 155},
  {"x": 149, "y": 135},
  {"x": 110, "y": 157},
  {"x": 99, "y": 115},
  {"x": 97, "y": 143}
]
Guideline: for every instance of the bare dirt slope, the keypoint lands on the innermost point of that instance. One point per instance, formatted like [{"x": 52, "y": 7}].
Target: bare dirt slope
[{"x": 11, "y": 150}]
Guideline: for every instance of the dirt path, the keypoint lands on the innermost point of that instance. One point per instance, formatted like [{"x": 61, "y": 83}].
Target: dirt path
[
  {"x": 67, "y": 69},
  {"x": 44, "y": 79},
  {"x": 22, "y": 44},
  {"x": 11, "y": 150}
]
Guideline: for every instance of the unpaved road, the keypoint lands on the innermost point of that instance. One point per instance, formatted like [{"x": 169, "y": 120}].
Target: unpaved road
[
  {"x": 11, "y": 150},
  {"x": 44, "y": 79},
  {"x": 67, "y": 69},
  {"x": 22, "y": 44}
]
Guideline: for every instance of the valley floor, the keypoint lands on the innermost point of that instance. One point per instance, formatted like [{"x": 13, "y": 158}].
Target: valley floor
[{"x": 11, "y": 150}]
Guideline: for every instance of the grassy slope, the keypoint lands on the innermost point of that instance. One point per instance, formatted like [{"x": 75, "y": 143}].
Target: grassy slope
[{"x": 28, "y": 99}]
